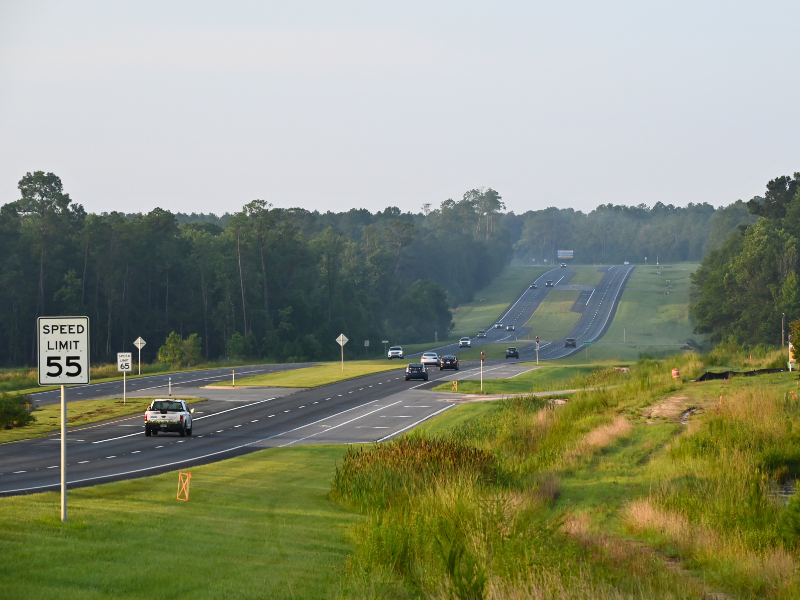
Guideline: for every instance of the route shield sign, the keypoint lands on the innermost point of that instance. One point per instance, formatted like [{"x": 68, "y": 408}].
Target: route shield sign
[
  {"x": 63, "y": 350},
  {"x": 125, "y": 362}
]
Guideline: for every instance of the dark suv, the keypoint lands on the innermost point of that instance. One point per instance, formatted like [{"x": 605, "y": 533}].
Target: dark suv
[
  {"x": 570, "y": 343},
  {"x": 512, "y": 353},
  {"x": 548, "y": 284},
  {"x": 416, "y": 371},
  {"x": 448, "y": 362}
]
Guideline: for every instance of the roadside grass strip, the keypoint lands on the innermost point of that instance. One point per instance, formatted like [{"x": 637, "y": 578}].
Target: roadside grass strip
[
  {"x": 490, "y": 302},
  {"x": 257, "y": 526},
  {"x": 80, "y": 412},
  {"x": 554, "y": 318},
  {"x": 543, "y": 379},
  {"x": 585, "y": 275},
  {"x": 323, "y": 374}
]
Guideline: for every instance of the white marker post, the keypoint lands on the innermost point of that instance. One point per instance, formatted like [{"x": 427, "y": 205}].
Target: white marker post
[
  {"x": 63, "y": 359},
  {"x": 537, "y": 349},
  {"x": 140, "y": 343},
  {"x": 124, "y": 364},
  {"x": 342, "y": 340},
  {"x": 482, "y": 359}
]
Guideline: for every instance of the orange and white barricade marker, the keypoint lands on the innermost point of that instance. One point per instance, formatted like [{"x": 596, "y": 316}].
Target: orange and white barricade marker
[
  {"x": 183, "y": 486},
  {"x": 455, "y": 386}
]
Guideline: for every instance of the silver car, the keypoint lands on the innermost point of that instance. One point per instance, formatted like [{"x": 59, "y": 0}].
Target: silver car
[
  {"x": 430, "y": 359},
  {"x": 465, "y": 342}
]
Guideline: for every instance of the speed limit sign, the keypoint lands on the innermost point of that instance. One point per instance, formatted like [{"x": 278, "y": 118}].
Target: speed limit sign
[{"x": 63, "y": 350}]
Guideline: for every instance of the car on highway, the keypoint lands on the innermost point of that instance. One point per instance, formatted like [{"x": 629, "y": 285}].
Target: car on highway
[
  {"x": 498, "y": 325},
  {"x": 416, "y": 371},
  {"x": 563, "y": 265},
  {"x": 481, "y": 333},
  {"x": 166, "y": 414},
  {"x": 570, "y": 343},
  {"x": 532, "y": 286},
  {"x": 395, "y": 352},
  {"x": 465, "y": 342},
  {"x": 430, "y": 358},
  {"x": 448, "y": 362},
  {"x": 510, "y": 328},
  {"x": 512, "y": 353},
  {"x": 548, "y": 284}
]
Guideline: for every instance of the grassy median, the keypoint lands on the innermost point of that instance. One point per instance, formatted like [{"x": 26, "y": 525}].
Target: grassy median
[
  {"x": 323, "y": 374},
  {"x": 542, "y": 379},
  {"x": 79, "y": 413},
  {"x": 585, "y": 275},
  {"x": 257, "y": 526},
  {"x": 554, "y": 317}
]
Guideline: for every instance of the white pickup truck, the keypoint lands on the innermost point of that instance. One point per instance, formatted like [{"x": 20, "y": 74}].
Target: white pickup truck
[{"x": 168, "y": 415}]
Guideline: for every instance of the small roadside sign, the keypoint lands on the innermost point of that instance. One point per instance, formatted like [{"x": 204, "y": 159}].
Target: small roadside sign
[
  {"x": 139, "y": 343},
  {"x": 366, "y": 343},
  {"x": 587, "y": 343},
  {"x": 342, "y": 339},
  {"x": 63, "y": 350},
  {"x": 125, "y": 362}
]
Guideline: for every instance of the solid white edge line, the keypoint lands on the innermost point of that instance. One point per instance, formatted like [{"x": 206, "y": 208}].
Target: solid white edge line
[{"x": 417, "y": 423}]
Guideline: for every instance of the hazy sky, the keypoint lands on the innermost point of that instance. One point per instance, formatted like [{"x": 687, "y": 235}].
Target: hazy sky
[{"x": 204, "y": 106}]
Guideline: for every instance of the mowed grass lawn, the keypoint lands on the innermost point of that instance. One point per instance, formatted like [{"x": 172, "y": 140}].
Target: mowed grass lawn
[
  {"x": 257, "y": 526},
  {"x": 80, "y": 412},
  {"x": 316, "y": 376},
  {"x": 586, "y": 276},
  {"x": 541, "y": 379},
  {"x": 554, "y": 317},
  {"x": 476, "y": 315}
]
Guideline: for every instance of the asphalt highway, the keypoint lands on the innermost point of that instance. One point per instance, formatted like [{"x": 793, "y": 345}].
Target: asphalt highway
[{"x": 233, "y": 422}]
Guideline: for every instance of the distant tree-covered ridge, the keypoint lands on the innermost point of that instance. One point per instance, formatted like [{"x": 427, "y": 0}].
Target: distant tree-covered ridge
[
  {"x": 749, "y": 284},
  {"x": 277, "y": 283}
]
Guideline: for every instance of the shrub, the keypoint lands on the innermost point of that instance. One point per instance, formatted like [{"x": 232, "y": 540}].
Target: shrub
[{"x": 15, "y": 411}]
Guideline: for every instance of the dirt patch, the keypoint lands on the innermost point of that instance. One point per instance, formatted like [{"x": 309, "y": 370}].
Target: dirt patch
[{"x": 676, "y": 409}]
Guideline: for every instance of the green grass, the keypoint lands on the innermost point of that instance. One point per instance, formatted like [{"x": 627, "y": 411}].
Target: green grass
[
  {"x": 554, "y": 317},
  {"x": 586, "y": 276},
  {"x": 476, "y": 315},
  {"x": 493, "y": 350},
  {"x": 542, "y": 379},
  {"x": 323, "y": 374},
  {"x": 258, "y": 526},
  {"x": 80, "y": 412}
]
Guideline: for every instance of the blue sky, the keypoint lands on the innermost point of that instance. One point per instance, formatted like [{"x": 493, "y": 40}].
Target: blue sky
[{"x": 205, "y": 106}]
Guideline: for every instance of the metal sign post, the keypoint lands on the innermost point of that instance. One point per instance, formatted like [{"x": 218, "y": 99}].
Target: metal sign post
[
  {"x": 140, "y": 343},
  {"x": 537, "y": 349},
  {"x": 366, "y": 347},
  {"x": 587, "y": 344},
  {"x": 124, "y": 360},
  {"x": 63, "y": 359},
  {"x": 384, "y": 342},
  {"x": 342, "y": 340},
  {"x": 483, "y": 357}
]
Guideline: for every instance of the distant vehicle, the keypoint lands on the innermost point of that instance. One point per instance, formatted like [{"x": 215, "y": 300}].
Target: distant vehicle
[
  {"x": 416, "y": 371},
  {"x": 168, "y": 415},
  {"x": 482, "y": 333},
  {"x": 626, "y": 263},
  {"x": 498, "y": 325},
  {"x": 548, "y": 284},
  {"x": 510, "y": 328},
  {"x": 430, "y": 358},
  {"x": 395, "y": 352},
  {"x": 570, "y": 343},
  {"x": 448, "y": 362},
  {"x": 532, "y": 286},
  {"x": 512, "y": 353},
  {"x": 563, "y": 265},
  {"x": 465, "y": 342}
]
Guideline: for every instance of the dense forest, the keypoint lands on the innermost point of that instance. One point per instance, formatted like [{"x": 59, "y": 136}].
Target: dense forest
[
  {"x": 749, "y": 284},
  {"x": 278, "y": 283}
]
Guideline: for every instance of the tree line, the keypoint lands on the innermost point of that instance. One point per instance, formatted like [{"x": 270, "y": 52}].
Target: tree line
[
  {"x": 747, "y": 289},
  {"x": 276, "y": 283}
]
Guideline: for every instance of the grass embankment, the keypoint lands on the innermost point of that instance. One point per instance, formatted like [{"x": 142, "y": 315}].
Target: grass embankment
[
  {"x": 323, "y": 374},
  {"x": 609, "y": 496},
  {"x": 554, "y": 317},
  {"x": 493, "y": 300},
  {"x": 80, "y": 412},
  {"x": 656, "y": 324},
  {"x": 542, "y": 379},
  {"x": 586, "y": 276},
  {"x": 258, "y": 526}
]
